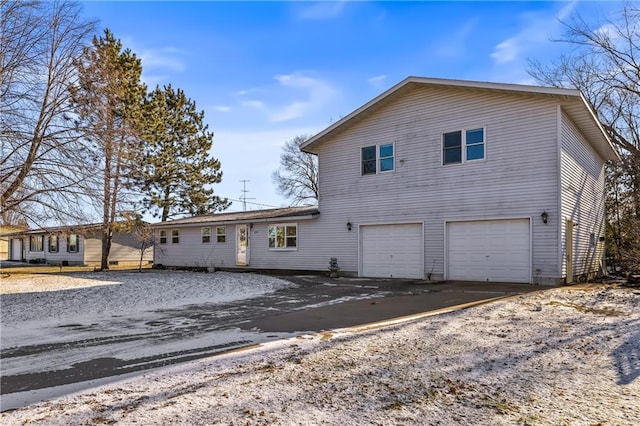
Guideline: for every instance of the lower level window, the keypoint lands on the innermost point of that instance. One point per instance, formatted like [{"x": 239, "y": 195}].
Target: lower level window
[
  {"x": 53, "y": 243},
  {"x": 283, "y": 236},
  {"x": 175, "y": 236},
  {"x": 163, "y": 236},
  {"x": 36, "y": 243},
  {"x": 72, "y": 243},
  {"x": 206, "y": 235}
]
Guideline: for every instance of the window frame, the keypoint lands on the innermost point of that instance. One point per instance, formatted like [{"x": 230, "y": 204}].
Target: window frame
[
  {"x": 205, "y": 235},
  {"x": 175, "y": 236},
  {"x": 378, "y": 159},
  {"x": 34, "y": 242},
  {"x": 73, "y": 248},
  {"x": 163, "y": 236},
  {"x": 285, "y": 237},
  {"x": 464, "y": 146},
  {"x": 54, "y": 248},
  {"x": 221, "y": 237}
]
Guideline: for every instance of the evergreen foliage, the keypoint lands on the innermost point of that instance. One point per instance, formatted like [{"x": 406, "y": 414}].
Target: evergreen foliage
[{"x": 176, "y": 166}]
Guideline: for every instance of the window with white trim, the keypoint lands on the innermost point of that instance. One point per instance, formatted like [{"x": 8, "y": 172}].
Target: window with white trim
[
  {"x": 221, "y": 234},
  {"x": 206, "y": 235},
  {"x": 163, "y": 236},
  {"x": 462, "y": 146},
  {"x": 283, "y": 236},
  {"x": 377, "y": 159},
  {"x": 53, "y": 243},
  {"x": 175, "y": 236},
  {"x": 36, "y": 243}
]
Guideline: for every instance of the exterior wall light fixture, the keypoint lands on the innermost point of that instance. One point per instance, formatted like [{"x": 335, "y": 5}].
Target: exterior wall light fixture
[
  {"x": 349, "y": 226},
  {"x": 545, "y": 217}
]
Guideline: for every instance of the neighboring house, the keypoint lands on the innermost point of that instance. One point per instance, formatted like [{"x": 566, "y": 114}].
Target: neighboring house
[
  {"x": 73, "y": 245},
  {"x": 440, "y": 179},
  {"x": 4, "y": 240}
]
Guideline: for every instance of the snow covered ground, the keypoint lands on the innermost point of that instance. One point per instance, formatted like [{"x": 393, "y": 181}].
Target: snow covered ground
[{"x": 560, "y": 356}]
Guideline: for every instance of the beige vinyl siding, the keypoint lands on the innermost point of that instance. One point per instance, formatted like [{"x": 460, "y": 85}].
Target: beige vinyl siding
[
  {"x": 93, "y": 249},
  {"x": 582, "y": 200},
  {"x": 518, "y": 177}
]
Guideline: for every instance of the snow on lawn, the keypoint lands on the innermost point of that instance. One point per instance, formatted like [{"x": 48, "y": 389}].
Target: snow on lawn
[
  {"x": 37, "y": 297},
  {"x": 560, "y": 356}
]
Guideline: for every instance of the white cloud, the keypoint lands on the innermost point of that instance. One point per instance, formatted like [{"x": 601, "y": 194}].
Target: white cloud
[
  {"x": 221, "y": 108},
  {"x": 316, "y": 92},
  {"x": 253, "y": 103},
  {"x": 507, "y": 50},
  {"x": 377, "y": 81},
  {"x": 167, "y": 58},
  {"x": 536, "y": 31},
  {"x": 321, "y": 10}
]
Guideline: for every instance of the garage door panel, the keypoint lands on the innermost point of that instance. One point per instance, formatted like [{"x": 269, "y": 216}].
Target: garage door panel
[
  {"x": 392, "y": 251},
  {"x": 497, "y": 250}
]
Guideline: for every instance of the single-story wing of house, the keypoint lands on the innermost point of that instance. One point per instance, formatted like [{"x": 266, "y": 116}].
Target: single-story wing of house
[
  {"x": 273, "y": 239},
  {"x": 73, "y": 245},
  {"x": 434, "y": 179}
]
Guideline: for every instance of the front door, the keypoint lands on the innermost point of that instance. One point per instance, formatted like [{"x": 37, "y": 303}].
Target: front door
[
  {"x": 569, "y": 251},
  {"x": 16, "y": 249},
  {"x": 242, "y": 245}
]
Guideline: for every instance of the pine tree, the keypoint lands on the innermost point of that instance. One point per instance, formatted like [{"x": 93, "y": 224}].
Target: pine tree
[
  {"x": 108, "y": 99},
  {"x": 177, "y": 168}
]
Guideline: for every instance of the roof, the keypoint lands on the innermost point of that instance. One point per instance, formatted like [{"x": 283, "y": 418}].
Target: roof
[
  {"x": 571, "y": 100},
  {"x": 250, "y": 216},
  {"x": 70, "y": 229}
]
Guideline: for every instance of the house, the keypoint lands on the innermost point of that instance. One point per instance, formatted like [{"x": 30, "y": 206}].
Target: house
[
  {"x": 73, "y": 245},
  {"x": 438, "y": 179}
]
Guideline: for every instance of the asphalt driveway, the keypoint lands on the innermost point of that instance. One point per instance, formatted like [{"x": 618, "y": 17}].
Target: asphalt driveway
[{"x": 316, "y": 304}]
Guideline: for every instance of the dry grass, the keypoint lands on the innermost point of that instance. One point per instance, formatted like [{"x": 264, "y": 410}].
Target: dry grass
[{"x": 27, "y": 269}]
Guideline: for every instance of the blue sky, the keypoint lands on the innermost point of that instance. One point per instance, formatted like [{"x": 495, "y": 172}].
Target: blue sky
[{"x": 265, "y": 72}]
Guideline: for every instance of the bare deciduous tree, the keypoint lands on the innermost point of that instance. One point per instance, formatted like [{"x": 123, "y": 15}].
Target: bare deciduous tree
[
  {"x": 108, "y": 100},
  {"x": 297, "y": 177},
  {"x": 41, "y": 156},
  {"x": 604, "y": 65}
]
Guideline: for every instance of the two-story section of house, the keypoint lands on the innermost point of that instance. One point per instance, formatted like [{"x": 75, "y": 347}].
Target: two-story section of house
[{"x": 459, "y": 180}]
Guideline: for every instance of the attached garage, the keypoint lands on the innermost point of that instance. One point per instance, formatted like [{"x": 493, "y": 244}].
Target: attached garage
[
  {"x": 392, "y": 251},
  {"x": 489, "y": 250}
]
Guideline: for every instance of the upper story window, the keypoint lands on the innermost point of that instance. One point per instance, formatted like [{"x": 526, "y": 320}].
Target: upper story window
[
  {"x": 377, "y": 159},
  {"x": 462, "y": 146},
  {"x": 163, "y": 236},
  {"x": 36, "y": 243},
  {"x": 206, "y": 235},
  {"x": 175, "y": 236},
  {"x": 283, "y": 236},
  {"x": 53, "y": 243},
  {"x": 72, "y": 243},
  {"x": 221, "y": 234}
]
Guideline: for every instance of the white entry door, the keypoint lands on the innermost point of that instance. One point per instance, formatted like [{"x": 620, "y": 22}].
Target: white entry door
[
  {"x": 392, "y": 251},
  {"x": 489, "y": 250},
  {"x": 242, "y": 245},
  {"x": 16, "y": 249}
]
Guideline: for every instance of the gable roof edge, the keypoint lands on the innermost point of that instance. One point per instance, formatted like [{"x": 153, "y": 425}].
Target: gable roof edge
[{"x": 526, "y": 89}]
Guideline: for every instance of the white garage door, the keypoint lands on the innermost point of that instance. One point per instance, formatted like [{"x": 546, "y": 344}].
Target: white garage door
[
  {"x": 392, "y": 251},
  {"x": 489, "y": 250}
]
